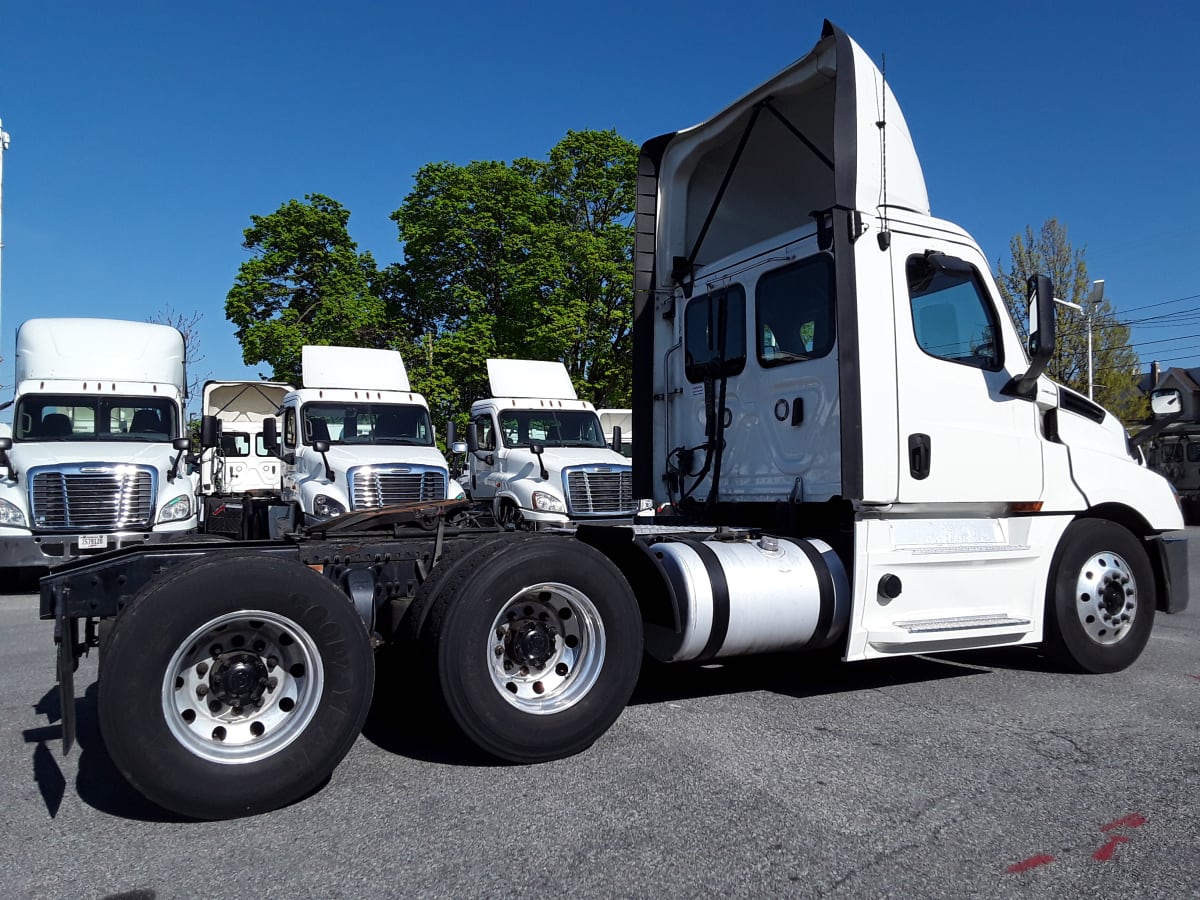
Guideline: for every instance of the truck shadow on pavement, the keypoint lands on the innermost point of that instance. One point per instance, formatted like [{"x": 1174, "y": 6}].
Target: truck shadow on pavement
[
  {"x": 821, "y": 673},
  {"x": 98, "y": 783}
]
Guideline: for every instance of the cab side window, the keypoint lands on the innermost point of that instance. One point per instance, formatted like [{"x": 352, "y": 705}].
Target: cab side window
[
  {"x": 486, "y": 432},
  {"x": 289, "y": 427},
  {"x": 795, "y": 312},
  {"x": 953, "y": 318},
  {"x": 715, "y": 334}
]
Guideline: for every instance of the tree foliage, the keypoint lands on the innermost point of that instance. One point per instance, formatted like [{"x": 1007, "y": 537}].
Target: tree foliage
[
  {"x": 1115, "y": 365},
  {"x": 530, "y": 259},
  {"x": 306, "y": 283}
]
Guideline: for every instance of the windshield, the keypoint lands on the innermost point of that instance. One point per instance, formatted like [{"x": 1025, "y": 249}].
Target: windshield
[
  {"x": 66, "y": 417},
  {"x": 367, "y": 423},
  {"x": 559, "y": 428}
]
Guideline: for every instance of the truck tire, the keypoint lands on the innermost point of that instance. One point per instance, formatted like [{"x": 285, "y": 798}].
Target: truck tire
[
  {"x": 536, "y": 648},
  {"x": 234, "y": 685},
  {"x": 1100, "y": 600}
]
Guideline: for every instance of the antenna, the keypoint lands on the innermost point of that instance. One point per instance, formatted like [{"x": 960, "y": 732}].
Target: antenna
[{"x": 885, "y": 236}]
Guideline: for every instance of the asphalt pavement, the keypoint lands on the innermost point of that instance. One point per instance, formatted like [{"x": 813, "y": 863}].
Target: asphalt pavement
[{"x": 981, "y": 774}]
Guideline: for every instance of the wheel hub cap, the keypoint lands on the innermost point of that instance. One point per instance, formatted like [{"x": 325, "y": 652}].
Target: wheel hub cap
[
  {"x": 1106, "y": 598},
  {"x": 531, "y": 644},
  {"x": 239, "y": 679}
]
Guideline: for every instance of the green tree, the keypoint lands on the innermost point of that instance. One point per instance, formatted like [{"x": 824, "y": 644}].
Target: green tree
[
  {"x": 1115, "y": 365},
  {"x": 306, "y": 283},
  {"x": 529, "y": 259}
]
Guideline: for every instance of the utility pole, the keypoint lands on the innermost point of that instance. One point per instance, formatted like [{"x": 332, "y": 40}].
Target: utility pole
[{"x": 3, "y": 147}]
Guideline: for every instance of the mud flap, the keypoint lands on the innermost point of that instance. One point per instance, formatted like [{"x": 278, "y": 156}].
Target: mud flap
[{"x": 67, "y": 639}]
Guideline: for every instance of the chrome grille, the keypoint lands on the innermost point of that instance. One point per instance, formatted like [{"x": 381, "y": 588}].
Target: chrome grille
[
  {"x": 374, "y": 486},
  {"x": 94, "y": 496},
  {"x": 599, "y": 490}
]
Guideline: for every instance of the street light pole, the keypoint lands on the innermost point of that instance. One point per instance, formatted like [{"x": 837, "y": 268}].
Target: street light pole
[{"x": 1093, "y": 301}]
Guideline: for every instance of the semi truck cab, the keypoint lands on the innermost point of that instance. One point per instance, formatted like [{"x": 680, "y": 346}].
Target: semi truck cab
[{"x": 538, "y": 453}]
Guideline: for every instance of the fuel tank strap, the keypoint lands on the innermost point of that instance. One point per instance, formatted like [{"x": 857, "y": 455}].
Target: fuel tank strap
[
  {"x": 825, "y": 585},
  {"x": 720, "y": 598}
]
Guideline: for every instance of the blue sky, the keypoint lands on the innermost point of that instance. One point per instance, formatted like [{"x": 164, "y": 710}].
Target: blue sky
[{"x": 145, "y": 134}]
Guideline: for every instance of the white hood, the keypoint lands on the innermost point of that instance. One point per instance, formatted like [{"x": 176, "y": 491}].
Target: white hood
[
  {"x": 27, "y": 454},
  {"x": 559, "y": 458}
]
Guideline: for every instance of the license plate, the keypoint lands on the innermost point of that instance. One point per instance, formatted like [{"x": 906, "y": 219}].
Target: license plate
[{"x": 93, "y": 541}]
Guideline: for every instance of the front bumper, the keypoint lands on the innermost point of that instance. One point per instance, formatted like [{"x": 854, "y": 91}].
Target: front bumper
[{"x": 27, "y": 550}]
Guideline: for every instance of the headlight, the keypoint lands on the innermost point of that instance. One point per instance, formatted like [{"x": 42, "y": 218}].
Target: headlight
[
  {"x": 326, "y": 507},
  {"x": 178, "y": 509},
  {"x": 548, "y": 502},
  {"x": 11, "y": 515}
]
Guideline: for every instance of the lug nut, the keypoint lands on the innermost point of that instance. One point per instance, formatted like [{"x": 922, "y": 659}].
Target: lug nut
[
  {"x": 201, "y": 690},
  {"x": 202, "y": 669}
]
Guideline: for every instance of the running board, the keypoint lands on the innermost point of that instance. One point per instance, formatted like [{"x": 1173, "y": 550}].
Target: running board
[{"x": 961, "y": 623}]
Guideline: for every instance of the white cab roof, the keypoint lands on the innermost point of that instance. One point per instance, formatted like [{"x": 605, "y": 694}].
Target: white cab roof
[
  {"x": 104, "y": 349},
  {"x": 360, "y": 368},
  {"x": 249, "y": 401},
  {"x": 530, "y": 378}
]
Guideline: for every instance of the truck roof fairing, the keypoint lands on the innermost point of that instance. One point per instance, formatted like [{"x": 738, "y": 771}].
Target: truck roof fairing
[
  {"x": 359, "y": 368},
  {"x": 806, "y": 140},
  {"x": 530, "y": 379}
]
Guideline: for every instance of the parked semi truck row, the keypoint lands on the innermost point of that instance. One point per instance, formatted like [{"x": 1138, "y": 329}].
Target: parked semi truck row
[{"x": 829, "y": 394}]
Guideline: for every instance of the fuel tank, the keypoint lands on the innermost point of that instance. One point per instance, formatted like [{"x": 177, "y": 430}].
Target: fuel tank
[{"x": 761, "y": 595}]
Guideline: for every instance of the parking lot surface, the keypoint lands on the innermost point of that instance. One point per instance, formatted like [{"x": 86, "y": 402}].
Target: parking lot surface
[{"x": 981, "y": 774}]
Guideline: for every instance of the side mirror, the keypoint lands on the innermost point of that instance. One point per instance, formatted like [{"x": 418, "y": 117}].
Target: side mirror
[
  {"x": 1162, "y": 403},
  {"x": 458, "y": 447},
  {"x": 5, "y": 444},
  {"x": 450, "y": 432},
  {"x": 1040, "y": 291},
  {"x": 322, "y": 447},
  {"x": 270, "y": 434},
  {"x": 618, "y": 441},
  {"x": 537, "y": 450},
  {"x": 1041, "y": 321},
  {"x": 472, "y": 438},
  {"x": 210, "y": 431},
  {"x": 182, "y": 444}
]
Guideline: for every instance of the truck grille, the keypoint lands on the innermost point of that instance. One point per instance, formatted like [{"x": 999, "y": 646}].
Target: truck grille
[
  {"x": 599, "y": 490},
  {"x": 92, "y": 497},
  {"x": 375, "y": 486}
]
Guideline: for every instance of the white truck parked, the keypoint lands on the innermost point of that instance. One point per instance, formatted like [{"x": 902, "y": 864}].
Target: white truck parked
[
  {"x": 93, "y": 461},
  {"x": 538, "y": 453},
  {"x": 356, "y": 436},
  {"x": 240, "y": 477},
  {"x": 829, "y": 392}
]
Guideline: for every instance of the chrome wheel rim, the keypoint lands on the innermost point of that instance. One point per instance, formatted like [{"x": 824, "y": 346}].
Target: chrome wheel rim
[
  {"x": 1106, "y": 598},
  {"x": 546, "y": 648},
  {"x": 242, "y": 687}
]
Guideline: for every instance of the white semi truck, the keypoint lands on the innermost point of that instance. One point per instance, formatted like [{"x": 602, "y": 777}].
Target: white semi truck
[
  {"x": 538, "y": 454},
  {"x": 828, "y": 392},
  {"x": 355, "y": 437},
  {"x": 240, "y": 477},
  {"x": 94, "y": 458}
]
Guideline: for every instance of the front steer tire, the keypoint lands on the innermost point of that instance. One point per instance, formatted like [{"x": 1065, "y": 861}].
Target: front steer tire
[
  {"x": 535, "y": 645},
  {"x": 1100, "y": 600},
  {"x": 234, "y": 685}
]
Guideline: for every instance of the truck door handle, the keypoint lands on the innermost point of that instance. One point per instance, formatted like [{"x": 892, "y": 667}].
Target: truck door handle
[
  {"x": 797, "y": 411},
  {"x": 919, "y": 452}
]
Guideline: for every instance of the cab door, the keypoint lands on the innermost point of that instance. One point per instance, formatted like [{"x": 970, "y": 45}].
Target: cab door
[
  {"x": 291, "y": 440},
  {"x": 962, "y": 439},
  {"x": 481, "y": 468}
]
